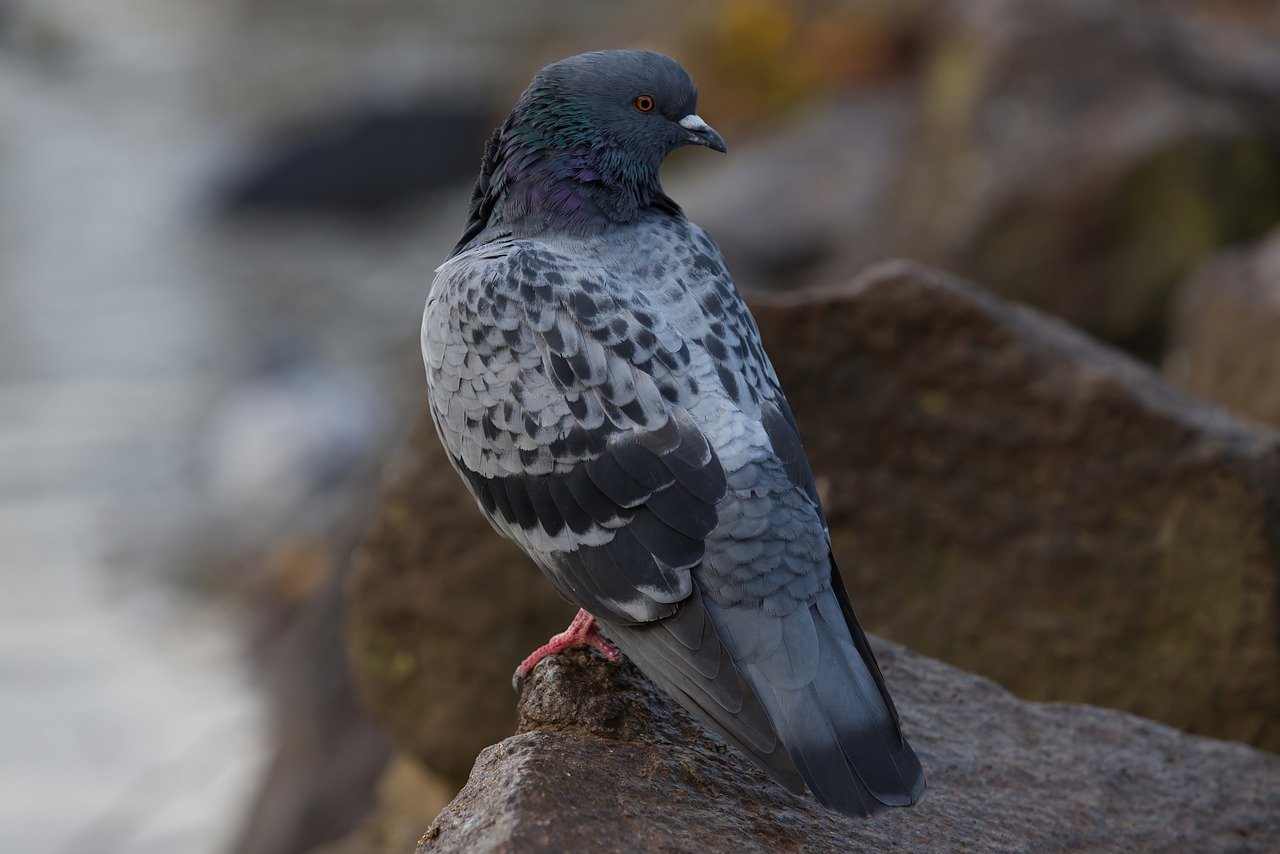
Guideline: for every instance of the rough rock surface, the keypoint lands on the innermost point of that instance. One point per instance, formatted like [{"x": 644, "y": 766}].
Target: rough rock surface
[
  {"x": 605, "y": 762},
  {"x": 1013, "y": 497},
  {"x": 1225, "y": 343}
]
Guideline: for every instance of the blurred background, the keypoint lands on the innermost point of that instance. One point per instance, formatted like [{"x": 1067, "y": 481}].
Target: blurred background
[{"x": 219, "y": 222}]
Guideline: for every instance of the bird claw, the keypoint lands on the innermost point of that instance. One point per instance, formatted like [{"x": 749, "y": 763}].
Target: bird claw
[{"x": 583, "y": 633}]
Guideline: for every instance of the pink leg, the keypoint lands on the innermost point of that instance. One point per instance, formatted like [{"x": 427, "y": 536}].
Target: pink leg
[{"x": 582, "y": 632}]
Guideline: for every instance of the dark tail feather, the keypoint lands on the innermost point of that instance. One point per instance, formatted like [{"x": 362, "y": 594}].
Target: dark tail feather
[
  {"x": 802, "y": 695},
  {"x": 860, "y": 641},
  {"x": 865, "y": 721},
  {"x": 838, "y": 727}
]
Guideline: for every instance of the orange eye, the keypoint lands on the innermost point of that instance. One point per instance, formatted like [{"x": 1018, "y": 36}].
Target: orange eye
[{"x": 644, "y": 103}]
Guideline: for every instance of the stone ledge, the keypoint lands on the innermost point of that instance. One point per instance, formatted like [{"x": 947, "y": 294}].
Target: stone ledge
[{"x": 604, "y": 762}]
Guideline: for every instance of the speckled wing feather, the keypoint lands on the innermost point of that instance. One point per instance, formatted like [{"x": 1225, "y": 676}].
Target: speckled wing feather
[
  {"x": 609, "y": 404},
  {"x": 556, "y": 403}
]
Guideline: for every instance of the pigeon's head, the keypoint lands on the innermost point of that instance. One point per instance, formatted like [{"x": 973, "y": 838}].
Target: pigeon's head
[
  {"x": 632, "y": 107},
  {"x": 584, "y": 144}
]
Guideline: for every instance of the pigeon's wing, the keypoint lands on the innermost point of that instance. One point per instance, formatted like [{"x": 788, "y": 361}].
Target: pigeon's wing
[
  {"x": 558, "y": 403},
  {"x": 555, "y": 402},
  {"x": 768, "y": 580}
]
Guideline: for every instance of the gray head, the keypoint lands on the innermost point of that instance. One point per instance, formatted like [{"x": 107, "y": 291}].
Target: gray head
[
  {"x": 634, "y": 103},
  {"x": 584, "y": 143}
]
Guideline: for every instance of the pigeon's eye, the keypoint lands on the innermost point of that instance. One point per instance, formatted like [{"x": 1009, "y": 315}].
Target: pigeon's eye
[{"x": 644, "y": 103}]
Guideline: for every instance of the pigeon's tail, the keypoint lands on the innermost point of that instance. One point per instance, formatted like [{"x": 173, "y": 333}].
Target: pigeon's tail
[
  {"x": 818, "y": 679},
  {"x": 802, "y": 695}
]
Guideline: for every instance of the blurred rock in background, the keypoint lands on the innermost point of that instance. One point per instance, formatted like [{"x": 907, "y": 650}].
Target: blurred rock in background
[
  {"x": 1015, "y": 498},
  {"x": 365, "y": 163},
  {"x": 800, "y": 203},
  {"x": 1081, "y": 157},
  {"x": 408, "y": 796},
  {"x": 1225, "y": 342},
  {"x": 322, "y": 779},
  {"x": 1066, "y": 160}
]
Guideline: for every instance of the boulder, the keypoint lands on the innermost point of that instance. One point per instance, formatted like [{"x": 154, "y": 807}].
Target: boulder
[
  {"x": 1090, "y": 188},
  {"x": 1225, "y": 343},
  {"x": 1004, "y": 493},
  {"x": 1013, "y": 497},
  {"x": 605, "y": 762},
  {"x": 804, "y": 202},
  {"x": 327, "y": 755}
]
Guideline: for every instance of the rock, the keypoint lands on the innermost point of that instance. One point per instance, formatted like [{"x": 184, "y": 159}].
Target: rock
[
  {"x": 328, "y": 755},
  {"x": 371, "y": 161},
  {"x": 1090, "y": 188},
  {"x": 1225, "y": 343},
  {"x": 783, "y": 227},
  {"x": 1008, "y": 495},
  {"x": 442, "y": 611},
  {"x": 605, "y": 762},
  {"x": 1003, "y": 492}
]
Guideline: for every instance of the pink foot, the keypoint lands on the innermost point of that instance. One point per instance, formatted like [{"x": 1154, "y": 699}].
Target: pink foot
[{"x": 582, "y": 632}]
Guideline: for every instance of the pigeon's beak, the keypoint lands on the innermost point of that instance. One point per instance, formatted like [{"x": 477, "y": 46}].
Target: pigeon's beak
[{"x": 701, "y": 133}]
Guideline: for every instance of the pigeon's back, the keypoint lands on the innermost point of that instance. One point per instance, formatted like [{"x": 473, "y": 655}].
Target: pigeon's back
[{"x": 607, "y": 400}]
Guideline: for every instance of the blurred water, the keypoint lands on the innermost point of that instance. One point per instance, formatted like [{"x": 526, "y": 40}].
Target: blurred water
[
  {"x": 132, "y": 421},
  {"x": 127, "y": 721}
]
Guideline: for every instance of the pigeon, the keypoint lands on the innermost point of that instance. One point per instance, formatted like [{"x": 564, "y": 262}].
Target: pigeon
[{"x": 600, "y": 386}]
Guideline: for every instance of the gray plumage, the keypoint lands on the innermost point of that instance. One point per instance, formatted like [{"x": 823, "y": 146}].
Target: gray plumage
[{"x": 601, "y": 387}]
